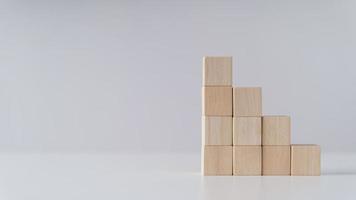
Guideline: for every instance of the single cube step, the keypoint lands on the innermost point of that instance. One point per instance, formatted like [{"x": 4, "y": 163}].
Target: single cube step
[
  {"x": 276, "y": 160},
  {"x": 217, "y": 130},
  {"x": 305, "y": 160},
  {"x": 276, "y": 130},
  {"x": 247, "y": 102},
  {"x": 217, "y": 101},
  {"x": 217, "y": 71},
  {"x": 247, "y": 131},
  {"x": 247, "y": 160},
  {"x": 217, "y": 160}
]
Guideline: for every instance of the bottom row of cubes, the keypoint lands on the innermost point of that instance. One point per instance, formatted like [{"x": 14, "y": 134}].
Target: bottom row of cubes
[{"x": 295, "y": 160}]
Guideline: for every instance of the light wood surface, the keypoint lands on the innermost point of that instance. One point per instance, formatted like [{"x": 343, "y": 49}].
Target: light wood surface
[
  {"x": 217, "y": 160},
  {"x": 276, "y": 130},
  {"x": 305, "y": 160},
  {"x": 217, "y": 130},
  {"x": 217, "y": 71},
  {"x": 217, "y": 101},
  {"x": 247, "y": 160},
  {"x": 247, "y": 131},
  {"x": 276, "y": 160},
  {"x": 247, "y": 101}
]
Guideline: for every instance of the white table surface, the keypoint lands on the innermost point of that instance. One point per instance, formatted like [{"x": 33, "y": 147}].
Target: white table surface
[{"x": 160, "y": 176}]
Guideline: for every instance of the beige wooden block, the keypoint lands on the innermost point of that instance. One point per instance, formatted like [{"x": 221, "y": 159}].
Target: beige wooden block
[
  {"x": 276, "y": 160},
  {"x": 247, "y": 160},
  {"x": 247, "y": 131},
  {"x": 305, "y": 160},
  {"x": 217, "y": 101},
  {"x": 217, "y": 160},
  {"x": 217, "y": 71},
  {"x": 247, "y": 101},
  {"x": 217, "y": 130},
  {"x": 276, "y": 130}
]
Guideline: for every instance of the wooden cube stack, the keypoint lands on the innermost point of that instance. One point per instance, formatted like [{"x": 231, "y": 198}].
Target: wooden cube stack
[
  {"x": 217, "y": 116},
  {"x": 237, "y": 139}
]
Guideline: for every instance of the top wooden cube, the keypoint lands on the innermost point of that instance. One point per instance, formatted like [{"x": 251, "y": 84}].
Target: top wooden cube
[
  {"x": 247, "y": 102},
  {"x": 217, "y": 71}
]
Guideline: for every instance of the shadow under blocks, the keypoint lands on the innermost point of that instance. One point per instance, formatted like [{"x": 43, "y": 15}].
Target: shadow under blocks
[{"x": 237, "y": 140}]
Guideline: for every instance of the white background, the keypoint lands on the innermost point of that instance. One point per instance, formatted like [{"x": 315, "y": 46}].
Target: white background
[
  {"x": 102, "y": 99},
  {"x": 125, "y": 76}
]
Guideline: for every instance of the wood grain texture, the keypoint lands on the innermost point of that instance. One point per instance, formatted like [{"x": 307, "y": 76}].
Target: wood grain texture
[
  {"x": 276, "y": 160},
  {"x": 217, "y": 101},
  {"x": 305, "y": 160},
  {"x": 247, "y": 101},
  {"x": 247, "y": 131},
  {"x": 247, "y": 160},
  {"x": 217, "y": 160},
  {"x": 217, "y": 71},
  {"x": 217, "y": 130},
  {"x": 276, "y": 130}
]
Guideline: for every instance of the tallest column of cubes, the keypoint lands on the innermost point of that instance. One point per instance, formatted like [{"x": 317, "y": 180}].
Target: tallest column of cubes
[{"x": 217, "y": 116}]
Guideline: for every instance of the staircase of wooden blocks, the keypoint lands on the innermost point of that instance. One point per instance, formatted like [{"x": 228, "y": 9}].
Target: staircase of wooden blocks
[{"x": 237, "y": 139}]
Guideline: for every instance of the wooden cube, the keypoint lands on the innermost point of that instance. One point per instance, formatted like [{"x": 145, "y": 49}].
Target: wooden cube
[
  {"x": 217, "y": 160},
  {"x": 247, "y": 102},
  {"x": 217, "y": 71},
  {"x": 276, "y": 130},
  {"x": 217, "y": 101},
  {"x": 247, "y": 160},
  {"x": 217, "y": 130},
  {"x": 276, "y": 160},
  {"x": 305, "y": 160},
  {"x": 247, "y": 131}
]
